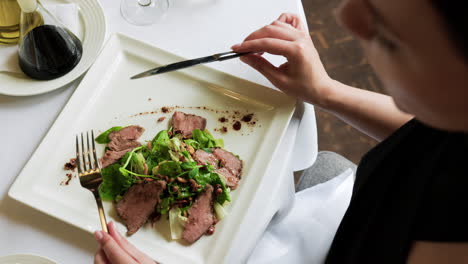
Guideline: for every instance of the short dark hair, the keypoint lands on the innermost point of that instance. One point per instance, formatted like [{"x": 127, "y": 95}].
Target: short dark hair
[{"x": 454, "y": 14}]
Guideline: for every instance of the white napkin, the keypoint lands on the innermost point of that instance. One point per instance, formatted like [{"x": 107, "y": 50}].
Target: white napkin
[
  {"x": 66, "y": 13},
  {"x": 306, "y": 138},
  {"x": 306, "y": 233}
]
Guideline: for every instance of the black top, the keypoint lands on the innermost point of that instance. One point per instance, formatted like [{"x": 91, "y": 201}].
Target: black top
[{"x": 411, "y": 187}]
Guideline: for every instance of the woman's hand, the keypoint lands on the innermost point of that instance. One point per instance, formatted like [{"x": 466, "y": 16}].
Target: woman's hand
[
  {"x": 115, "y": 249},
  {"x": 303, "y": 75}
]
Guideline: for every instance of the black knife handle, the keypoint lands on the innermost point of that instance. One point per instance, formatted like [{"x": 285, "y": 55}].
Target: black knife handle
[{"x": 183, "y": 64}]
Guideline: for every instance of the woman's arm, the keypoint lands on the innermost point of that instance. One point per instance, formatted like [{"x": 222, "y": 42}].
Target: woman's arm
[
  {"x": 438, "y": 253},
  {"x": 304, "y": 76},
  {"x": 372, "y": 113}
]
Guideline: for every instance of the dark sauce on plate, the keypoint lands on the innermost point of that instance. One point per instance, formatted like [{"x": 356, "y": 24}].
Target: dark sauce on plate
[{"x": 48, "y": 52}]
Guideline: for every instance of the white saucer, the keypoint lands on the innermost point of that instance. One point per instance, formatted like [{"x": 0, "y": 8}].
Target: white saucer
[
  {"x": 25, "y": 259},
  {"x": 93, "y": 25}
]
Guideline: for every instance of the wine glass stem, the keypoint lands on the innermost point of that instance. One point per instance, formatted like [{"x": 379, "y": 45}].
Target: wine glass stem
[{"x": 144, "y": 2}]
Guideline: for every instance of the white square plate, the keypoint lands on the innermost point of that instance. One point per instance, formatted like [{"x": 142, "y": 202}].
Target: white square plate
[{"x": 107, "y": 97}]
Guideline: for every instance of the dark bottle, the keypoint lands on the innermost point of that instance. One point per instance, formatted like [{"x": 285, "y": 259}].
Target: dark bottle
[
  {"x": 48, "y": 52},
  {"x": 47, "y": 49}
]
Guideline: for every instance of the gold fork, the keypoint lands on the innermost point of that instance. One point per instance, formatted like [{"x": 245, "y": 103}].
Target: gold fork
[{"x": 89, "y": 172}]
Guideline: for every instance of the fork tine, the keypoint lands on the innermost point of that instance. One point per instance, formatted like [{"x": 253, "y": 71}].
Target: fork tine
[
  {"x": 96, "y": 160},
  {"x": 88, "y": 151},
  {"x": 78, "y": 164},
  {"x": 85, "y": 166}
]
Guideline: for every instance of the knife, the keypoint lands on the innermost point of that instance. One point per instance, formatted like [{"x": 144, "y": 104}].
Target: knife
[{"x": 189, "y": 63}]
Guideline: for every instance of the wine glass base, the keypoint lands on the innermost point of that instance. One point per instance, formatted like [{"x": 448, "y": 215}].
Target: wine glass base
[{"x": 143, "y": 12}]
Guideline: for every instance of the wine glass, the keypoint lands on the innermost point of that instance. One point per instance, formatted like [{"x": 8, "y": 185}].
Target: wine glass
[{"x": 143, "y": 12}]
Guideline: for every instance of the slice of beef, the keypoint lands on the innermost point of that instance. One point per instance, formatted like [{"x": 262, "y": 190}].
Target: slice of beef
[
  {"x": 202, "y": 157},
  {"x": 128, "y": 133},
  {"x": 185, "y": 123},
  {"x": 121, "y": 142},
  {"x": 118, "y": 143},
  {"x": 200, "y": 217},
  {"x": 231, "y": 180},
  {"x": 110, "y": 157},
  {"x": 231, "y": 167},
  {"x": 138, "y": 203}
]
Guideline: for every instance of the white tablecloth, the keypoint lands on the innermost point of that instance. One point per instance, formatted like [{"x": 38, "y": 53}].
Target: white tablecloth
[{"x": 191, "y": 28}]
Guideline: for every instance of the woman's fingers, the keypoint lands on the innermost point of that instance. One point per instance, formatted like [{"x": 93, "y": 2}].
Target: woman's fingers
[
  {"x": 100, "y": 257},
  {"x": 292, "y": 20},
  {"x": 127, "y": 246},
  {"x": 115, "y": 254},
  {"x": 272, "y": 73},
  {"x": 274, "y": 31},
  {"x": 270, "y": 45}
]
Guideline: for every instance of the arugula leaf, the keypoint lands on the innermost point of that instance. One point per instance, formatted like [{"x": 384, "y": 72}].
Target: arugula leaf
[
  {"x": 103, "y": 138},
  {"x": 160, "y": 142},
  {"x": 188, "y": 165},
  {"x": 200, "y": 137},
  {"x": 169, "y": 168},
  {"x": 206, "y": 140},
  {"x": 165, "y": 205},
  {"x": 194, "y": 144},
  {"x": 153, "y": 158},
  {"x": 173, "y": 156},
  {"x": 137, "y": 163},
  {"x": 224, "y": 196},
  {"x": 183, "y": 193},
  {"x": 175, "y": 144},
  {"x": 202, "y": 177},
  {"x": 186, "y": 154},
  {"x": 114, "y": 182},
  {"x": 194, "y": 172}
]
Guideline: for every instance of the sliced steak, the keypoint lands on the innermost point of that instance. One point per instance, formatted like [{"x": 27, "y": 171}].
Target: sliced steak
[
  {"x": 200, "y": 216},
  {"x": 121, "y": 142},
  {"x": 138, "y": 203},
  {"x": 111, "y": 157},
  {"x": 202, "y": 157},
  {"x": 128, "y": 133},
  {"x": 231, "y": 180},
  {"x": 186, "y": 123},
  {"x": 231, "y": 167},
  {"x": 118, "y": 143}
]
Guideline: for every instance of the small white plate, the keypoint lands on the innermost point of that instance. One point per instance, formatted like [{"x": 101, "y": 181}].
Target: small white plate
[
  {"x": 25, "y": 259},
  {"x": 107, "y": 97},
  {"x": 93, "y": 25}
]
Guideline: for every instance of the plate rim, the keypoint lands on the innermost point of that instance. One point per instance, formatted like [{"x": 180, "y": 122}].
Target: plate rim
[
  {"x": 15, "y": 192},
  {"x": 28, "y": 255}
]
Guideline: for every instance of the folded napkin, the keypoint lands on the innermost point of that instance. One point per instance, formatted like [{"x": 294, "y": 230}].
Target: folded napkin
[
  {"x": 66, "y": 13},
  {"x": 306, "y": 233}
]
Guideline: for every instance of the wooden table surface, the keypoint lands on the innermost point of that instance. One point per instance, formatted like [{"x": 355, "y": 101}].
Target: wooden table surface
[{"x": 344, "y": 60}]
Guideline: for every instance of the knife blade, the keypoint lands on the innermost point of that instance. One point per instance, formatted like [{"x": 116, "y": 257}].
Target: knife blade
[{"x": 189, "y": 63}]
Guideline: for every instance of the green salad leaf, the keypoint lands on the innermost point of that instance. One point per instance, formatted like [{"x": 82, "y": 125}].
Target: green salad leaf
[
  {"x": 176, "y": 222},
  {"x": 206, "y": 140},
  {"x": 160, "y": 142},
  {"x": 167, "y": 156},
  {"x": 225, "y": 195},
  {"x": 137, "y": 163},
  {"x": 168, "y": 168},
  {"x": 202, "y": 177},
  {"x": 114, "y": 183},
  {"x": 188, "y": 165},
  {"x": 193, "y": 143},
  {"x": 165, "y": 205},
  {"x": 103, "y": 138}
]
